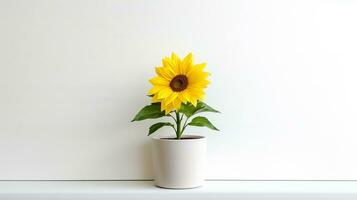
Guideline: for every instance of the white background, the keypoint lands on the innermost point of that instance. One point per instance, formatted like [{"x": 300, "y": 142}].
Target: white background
[{"x": 74, "y": 73}]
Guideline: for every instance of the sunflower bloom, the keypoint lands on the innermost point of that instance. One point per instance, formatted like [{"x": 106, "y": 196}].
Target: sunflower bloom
[{"x": 178, "y": 81}]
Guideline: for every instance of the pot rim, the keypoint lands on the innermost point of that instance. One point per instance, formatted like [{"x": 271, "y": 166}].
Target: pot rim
[{"x": 185, "y": 138}]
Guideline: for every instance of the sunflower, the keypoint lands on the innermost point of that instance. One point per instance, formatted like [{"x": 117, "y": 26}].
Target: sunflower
[{"x": 178, "y": 81}]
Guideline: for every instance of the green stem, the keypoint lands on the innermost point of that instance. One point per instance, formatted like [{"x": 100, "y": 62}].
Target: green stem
[{"x": 178, "y": 126}]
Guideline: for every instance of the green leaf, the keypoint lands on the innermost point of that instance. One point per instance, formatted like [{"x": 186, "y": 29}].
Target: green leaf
[
  {"x": 202, "y": 121},
  {"x": 189, "y": 110},
  {"x": 205, "y": 108},
  {"x": 157, "y": 126},
  {"x": 152, "y": 111}
]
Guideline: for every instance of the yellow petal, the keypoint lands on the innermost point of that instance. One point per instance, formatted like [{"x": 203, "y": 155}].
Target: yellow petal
[
  {"x": 185, "y": 95},
  {"x": 194, "y": 101},
  {"x": 155, "y": 99},
  {"x": 182, "y": 98},
  {"x": 159, "y": 81},
  {"x": 164, "y": 93},
  {"x": 175, "y": 63},
  {"x": 177, "y": 104},
  {"x": 200, "y": 66},
  {"x": 197, "y": 76},
  {"x": 155, "y": 89},
  {"x": 190, "y": 98},
  {"x": 200, "y": 84},
  {"x": 187, "y": 64},
  {"x": 175, "y": 58},
  {"x": 164, "y": 72},
  {"x": 197, "y": 68},
  {"x": 171, "y": 65},
  {"x": 167, "y": 62},
  {"x": 197, "y": 93},
  {"x": 168, "y": 108},
  {"x": 170, "y": 98}
]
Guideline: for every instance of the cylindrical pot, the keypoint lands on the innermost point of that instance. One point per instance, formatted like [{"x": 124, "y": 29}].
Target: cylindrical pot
[{"x": 179, "y": 164}]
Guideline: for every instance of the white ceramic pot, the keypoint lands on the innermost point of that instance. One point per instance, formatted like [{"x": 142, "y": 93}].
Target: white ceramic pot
[{"x": 179, "y": 164}]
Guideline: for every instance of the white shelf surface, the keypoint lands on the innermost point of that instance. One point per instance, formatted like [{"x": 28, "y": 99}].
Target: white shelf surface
[{"x": 249, "y": 190}]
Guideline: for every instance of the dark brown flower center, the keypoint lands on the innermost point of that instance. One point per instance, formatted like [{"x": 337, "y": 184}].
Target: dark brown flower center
[{"x": 179, "y": 83}]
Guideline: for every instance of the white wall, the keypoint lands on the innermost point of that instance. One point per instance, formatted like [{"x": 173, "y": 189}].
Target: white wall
[{"x": 74, "y": 73}]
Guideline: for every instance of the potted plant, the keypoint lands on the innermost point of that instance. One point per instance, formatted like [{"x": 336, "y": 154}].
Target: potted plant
[{"x": 177, "y": 94}]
